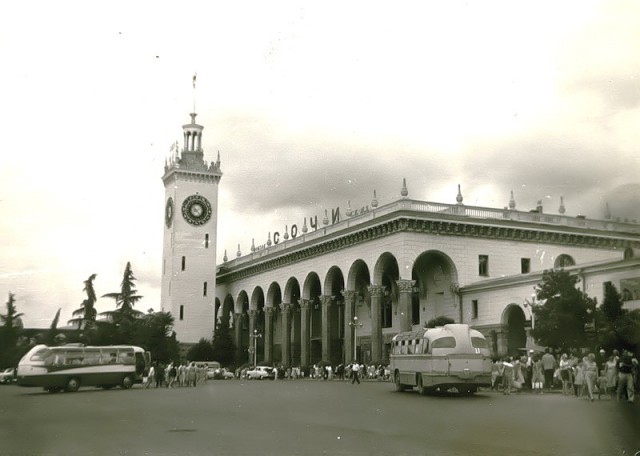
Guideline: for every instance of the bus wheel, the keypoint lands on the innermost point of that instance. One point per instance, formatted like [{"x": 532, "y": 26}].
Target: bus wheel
[
  {"x": 73, "y": 384},
  {"x": 127, "y": 382},
  {"x": 396, "y": 378},
  {"x": 421, "y": 389}
]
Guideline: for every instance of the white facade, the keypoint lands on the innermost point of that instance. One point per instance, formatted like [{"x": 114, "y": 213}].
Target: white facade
[{"x": 190, "y": 229}]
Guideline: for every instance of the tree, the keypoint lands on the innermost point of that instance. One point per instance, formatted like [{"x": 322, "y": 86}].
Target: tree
[
  {"x": 11, "y": 326},
  {"x": 222, "y": 343},
  {"x": 439, "y": 321},
  {"x": 85, "y": 316},
  {"x": 125, "y": 299},
  {"x": 155, "y": 334},
  {"x": 202, "y": 351},
  {"x": 560, "y": 321},
  {"x": 51, "y": 334},
  {"x": 617, "y": 328}
]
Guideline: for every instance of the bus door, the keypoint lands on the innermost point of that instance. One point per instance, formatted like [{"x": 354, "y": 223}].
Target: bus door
[{"x": 441, "y": 348}]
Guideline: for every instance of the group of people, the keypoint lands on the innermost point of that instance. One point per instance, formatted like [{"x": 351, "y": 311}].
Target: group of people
[
  {"x": 175, "y": 375},
  {"x": 615, "y": 375}
]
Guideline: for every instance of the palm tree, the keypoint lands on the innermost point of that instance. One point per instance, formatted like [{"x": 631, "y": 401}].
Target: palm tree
[
  {"x": 125, "y": 298},
  {"x": 9, "y": 332},
  {"x": 85, "y": 316}
]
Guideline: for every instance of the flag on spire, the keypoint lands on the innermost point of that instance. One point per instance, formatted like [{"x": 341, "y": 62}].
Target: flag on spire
[{"x": 194, "y": 80}]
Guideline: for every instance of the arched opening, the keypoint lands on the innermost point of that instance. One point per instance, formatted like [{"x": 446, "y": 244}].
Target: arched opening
[
  {"x": 434, "y": 273},
  {"x": 564, "y": 261},
  {"x": 514, "y": 320},
  {"x": 334, "y": 284},
  {"x": 313, "y": 291}
]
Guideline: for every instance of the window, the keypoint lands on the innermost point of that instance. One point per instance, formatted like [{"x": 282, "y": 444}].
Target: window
[
  {"x": 184, "y": 262},
  {"x": 206, "y": 241},
  {"x": 474, "y": 309},
  {"x": 204, "y": 289},
  {"x": 479, "y": 342},
  {"x": 564, "y": 261},
  {"x": 483, "y": 265},
  {"x": 525, "y": 265},
  {"x": 444, "y": 342},
  {"x": 181, "y": 313}
]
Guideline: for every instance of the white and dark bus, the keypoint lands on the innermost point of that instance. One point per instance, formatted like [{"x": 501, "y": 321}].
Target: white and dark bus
[
  {"x": 443, "y": 359},
  {"x": 68, "y": 367}
]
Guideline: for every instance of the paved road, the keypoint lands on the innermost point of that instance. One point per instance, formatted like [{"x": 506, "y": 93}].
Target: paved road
[{"x": 308, "y": 417}]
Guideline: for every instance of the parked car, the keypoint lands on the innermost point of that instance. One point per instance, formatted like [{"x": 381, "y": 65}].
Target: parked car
[
  {"x": 222, "y": 374},
  {"x": 260, "y": 373},
  {"x": 8, "y": 375}
]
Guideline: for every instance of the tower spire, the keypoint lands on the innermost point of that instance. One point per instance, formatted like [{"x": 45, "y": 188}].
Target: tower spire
[{"x": 193, "y": 118}]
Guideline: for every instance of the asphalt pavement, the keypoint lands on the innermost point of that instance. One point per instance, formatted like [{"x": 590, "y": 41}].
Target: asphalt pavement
[{"x": 310, "y": 417}]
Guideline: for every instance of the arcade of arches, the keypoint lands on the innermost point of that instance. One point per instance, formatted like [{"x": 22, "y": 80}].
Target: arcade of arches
[{"x": 311, "y": 319}]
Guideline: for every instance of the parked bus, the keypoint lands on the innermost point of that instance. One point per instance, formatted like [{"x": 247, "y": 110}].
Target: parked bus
[
  {"x": 69, "y": 367},
  {"x": 449, "y": 358}
]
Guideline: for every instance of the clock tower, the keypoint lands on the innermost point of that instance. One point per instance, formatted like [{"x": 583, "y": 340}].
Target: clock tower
[{"x": 190, "y": 229}]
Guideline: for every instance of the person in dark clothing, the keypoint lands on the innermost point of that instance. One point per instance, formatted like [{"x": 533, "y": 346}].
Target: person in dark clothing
[{"x": 625, "y": 375}]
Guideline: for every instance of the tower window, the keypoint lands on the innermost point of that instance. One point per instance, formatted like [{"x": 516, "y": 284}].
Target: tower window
[
  {"x": 474, "y": 309},
  {"x": 206, "y": 241},
  {"x": 181, "y": 313},
  {"x": 184, "y": 262},
  {"x": 483, "y": 265},
  {"x": 525, "y": 265},
  {"x": 204, "y": 289}
]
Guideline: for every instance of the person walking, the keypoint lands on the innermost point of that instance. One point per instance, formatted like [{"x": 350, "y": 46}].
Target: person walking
[
  {"x": 611, "y": 372},
  {"x": 537, "y": 375},
  {"x": 590, "y": 373},
  {"x": 355, "y": 373},
  {"x": 625, "y": 376},
  {"x": 549, "y": 366},
  {"x": 150, "y": 376}
]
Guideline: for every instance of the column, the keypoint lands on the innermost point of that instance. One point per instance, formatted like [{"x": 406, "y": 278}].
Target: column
[
  {"x": 405, "y": 288},
  {"x": 326, "y": 327},
  {"x": 349, "y": 312},
  {"x": 376, "y": 325},
  {"x": 304, "y": 331},
  {"x": 237, "y": 328},
  {"x": 286, "y": 334},
  {"x": 268, "y": 337},
  {"x": 253, "y": 343}
]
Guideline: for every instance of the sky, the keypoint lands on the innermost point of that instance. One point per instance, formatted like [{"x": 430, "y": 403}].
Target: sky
[{"x": 310, "y": 105}]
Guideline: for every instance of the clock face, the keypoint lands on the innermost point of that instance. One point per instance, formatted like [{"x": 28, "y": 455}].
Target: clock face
[
  {"x": 168, "y": 212},
  {"x": 196, "y": 210}
]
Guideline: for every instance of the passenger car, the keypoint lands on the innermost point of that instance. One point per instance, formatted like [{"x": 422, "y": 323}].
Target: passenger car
[
  {"x": 260, "y": 372},
  {"x": 7, "y": 375},
  {"x": 222, "y": 374}
]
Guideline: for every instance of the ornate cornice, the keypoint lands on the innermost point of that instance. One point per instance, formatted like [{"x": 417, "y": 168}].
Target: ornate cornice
[{"x": 534, "y": 234}]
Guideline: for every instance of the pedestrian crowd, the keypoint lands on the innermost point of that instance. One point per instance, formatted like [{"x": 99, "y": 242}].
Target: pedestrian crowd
[
  {"x": 581, "y": 375},
  {"x": 175, "y": 375}
]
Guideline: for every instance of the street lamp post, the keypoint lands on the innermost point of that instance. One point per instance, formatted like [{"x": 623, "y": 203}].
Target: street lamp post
[
  {"x": 255, "y": 336},
  {"x": 355, "y": 324}
]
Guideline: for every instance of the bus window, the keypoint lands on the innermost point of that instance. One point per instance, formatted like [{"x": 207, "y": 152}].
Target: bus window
[
  {"x": 125, "y": 356},
  {"x": 425, "y": 347},
  {"x": 41, "y": 355},
  {"x": 91, "y": 356},
  {"x": 410, "y": 347},
  {"x": 403, "y": 348},
  {"x": 108, "y": 356},
  {"x": 444, "y": 342},
  {"x": 74, "y": 356},
  {"x": 479, "y": 342}
]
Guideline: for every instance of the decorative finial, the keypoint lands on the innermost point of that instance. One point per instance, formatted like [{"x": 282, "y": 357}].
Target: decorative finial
[
  {"x": 512, "y": 202},
  {"x": 459, "y": 196},
  {"x": 238, "y": 253},
  {"x": 325, "y": 219},
  {"x": 562, "y": 209},
  {"x": 404, "y": 192},
  {"x": 225, "y": 258},
  {"x": 304, "y": 226},
  {"x": 539, "y": 207},
  {"x": 253, "y": 244},
  {"x": 269, "y": 239},
  {"x": 374, "y": 201},
  {"x": 607, "y": 211},
  {"x": 286, "y": 232},
  {"x": 349, "y": 211},
  {"x": 218, "y": 161}
]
